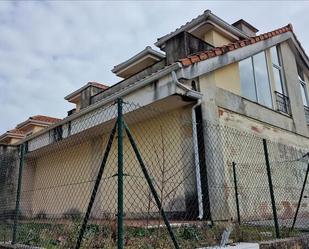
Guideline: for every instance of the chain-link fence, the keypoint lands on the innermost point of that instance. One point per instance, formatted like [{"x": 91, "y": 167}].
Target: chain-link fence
[
  {"x": 8, "y": 187},
  {"x": 150, "y": 178}
]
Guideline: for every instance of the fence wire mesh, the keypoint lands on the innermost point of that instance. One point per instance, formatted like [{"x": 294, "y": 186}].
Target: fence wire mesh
[
  {"x": 8, "y": 186},
  {"x": 212, "y": 188}
]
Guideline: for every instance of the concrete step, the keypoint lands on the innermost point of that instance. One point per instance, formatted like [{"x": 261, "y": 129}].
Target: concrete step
[{"x": 236, "y": 246}]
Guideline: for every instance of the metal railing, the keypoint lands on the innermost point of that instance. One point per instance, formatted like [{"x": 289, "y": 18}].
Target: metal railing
[{"x": 283, "y": 103}]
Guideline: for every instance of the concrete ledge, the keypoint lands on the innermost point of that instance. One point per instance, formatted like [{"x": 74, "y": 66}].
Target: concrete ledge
[
  {"x": 301, "y": 242},
  {"x": 241, "y": 245},
  {"x": 16, "y": 246}
]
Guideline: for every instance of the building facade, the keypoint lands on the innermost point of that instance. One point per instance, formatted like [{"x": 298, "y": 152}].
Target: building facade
[{"x": 209, "y": 70}]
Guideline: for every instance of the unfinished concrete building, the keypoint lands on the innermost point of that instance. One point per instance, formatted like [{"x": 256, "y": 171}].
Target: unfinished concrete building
[{"x": 221, "y": 73}]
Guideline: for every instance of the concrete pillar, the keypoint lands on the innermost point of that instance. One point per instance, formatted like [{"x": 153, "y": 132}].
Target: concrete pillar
[
  {"x": 293, "y": 88},
  {"x": 215, "y": 162}
]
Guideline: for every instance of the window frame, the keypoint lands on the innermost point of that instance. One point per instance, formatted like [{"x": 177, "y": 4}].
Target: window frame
[
  {"x": 268, "y": 77},
  {"x": 257, "y": 100},
  {"x": 303, "y": 85},
  {"x": 250, "y": 59},
  {"x": 281, "y": 70}
]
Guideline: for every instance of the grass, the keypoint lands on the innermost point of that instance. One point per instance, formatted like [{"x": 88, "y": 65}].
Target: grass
[{"x": 52, "y": 236}]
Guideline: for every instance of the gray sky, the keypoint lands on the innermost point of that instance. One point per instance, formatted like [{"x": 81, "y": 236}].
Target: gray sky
[{"x": 49, "y": 49}]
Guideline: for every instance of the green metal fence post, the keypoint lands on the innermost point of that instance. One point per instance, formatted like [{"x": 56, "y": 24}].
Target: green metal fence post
[
  {"x": 20, "y": 175},
  {"x": 96, "y": 187},
  {"x": 120, "y": 241},
  {"x": 151, "y": 186},
  {"x": 300, "y": 198},
  {"x": 271, "y": 189},
  {"x": 236, "y": 192}
]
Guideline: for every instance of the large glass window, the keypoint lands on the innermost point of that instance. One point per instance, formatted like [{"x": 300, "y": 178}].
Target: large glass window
[
  {"x": 277, "y": 70},
  {"x": 303, "y": 89},
  {"x": 303, "y": 86},
  {"x": 262, "y": 79},
  {"x": 254, "y": 79},
  {"x": 282, "y": 100},
  {"x": 247, "y": 79}
]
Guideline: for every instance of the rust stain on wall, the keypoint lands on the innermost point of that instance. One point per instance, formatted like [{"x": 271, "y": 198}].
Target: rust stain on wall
[
  {"x": 256, "y": 129},
  {"x": 221, "y": 112},
  {"x": 287, "y": 210}
]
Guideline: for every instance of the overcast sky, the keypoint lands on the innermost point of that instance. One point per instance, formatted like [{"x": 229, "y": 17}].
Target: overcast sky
[{"x": 49, "y": 49}]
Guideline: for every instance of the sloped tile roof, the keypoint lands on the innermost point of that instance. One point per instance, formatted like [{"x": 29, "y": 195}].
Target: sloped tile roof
[
  {"x": 16, "y": 131},
  {"x": 98, "y": 85},
  {"x": 46, "y": 119},
  {"x": 201, "y": 56},
  {"x": 90, "y": 83}
]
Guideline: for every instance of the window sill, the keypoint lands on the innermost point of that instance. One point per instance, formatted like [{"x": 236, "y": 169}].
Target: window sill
[
  {"x": 284, "y": 113},
  {"x": 268, "y": 108}
]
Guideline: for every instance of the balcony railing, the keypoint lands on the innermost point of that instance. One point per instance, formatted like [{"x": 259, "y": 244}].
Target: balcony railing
[
  {"x": 283, "y": 103},
  {"x": 306, "y": 109}
]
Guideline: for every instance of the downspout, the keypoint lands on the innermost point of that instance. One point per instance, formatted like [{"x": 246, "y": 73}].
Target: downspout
[
  {"x": 195, "y": 143},
  {"x": 197, "y": 162}
]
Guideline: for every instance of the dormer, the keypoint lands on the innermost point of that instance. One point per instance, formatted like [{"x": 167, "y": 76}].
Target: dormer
[
  {"x": 82, "y": 96},
  {"x": 35, "y": 124},
  {"x": 11, "y": 137},
  {"x": 183, "y": 45},
  {"x": 138, "y": 62},
  {"x": 209, "y": 28},
  {"x": 31, "y": 125}
]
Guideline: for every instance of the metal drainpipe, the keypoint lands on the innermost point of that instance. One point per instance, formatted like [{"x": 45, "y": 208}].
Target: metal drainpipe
[
  {"x": 197, "y": 162},
  {"x": 195, "y": 148}
]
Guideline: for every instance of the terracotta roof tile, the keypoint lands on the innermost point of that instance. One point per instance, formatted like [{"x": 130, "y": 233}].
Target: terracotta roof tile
[
  {"x": 98, "y": 85},
  {"x": 194, "y": 58},
  {"x": 203, "y": 56},
  {"x": 186, "y": 61},
  {"x": 217, "y": 51},
  {"x": 17, "y": 131},
  {"x": 232, "y": 46},
  {"x": 46, "y": 119}
]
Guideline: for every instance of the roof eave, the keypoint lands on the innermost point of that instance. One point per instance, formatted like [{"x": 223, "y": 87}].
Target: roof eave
[
  {"x": 11, "y": 135},
  {"x": 112, "y": 95},
  {"x": 207, "y": 14},
  {"x": 34, "y": 122},
  {"x": 73, "y": 94},
  {"x": 148, "y": 50}
]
